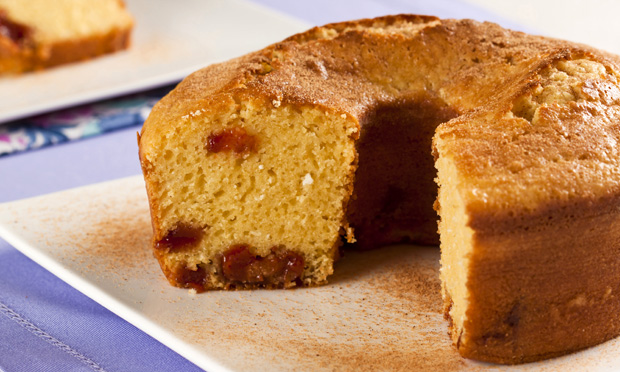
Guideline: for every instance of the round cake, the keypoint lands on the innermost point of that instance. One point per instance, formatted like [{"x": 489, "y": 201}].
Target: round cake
[{"x": 257, "y": 169}]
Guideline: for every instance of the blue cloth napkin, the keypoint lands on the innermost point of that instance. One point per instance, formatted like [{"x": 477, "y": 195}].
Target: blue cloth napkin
[
  {"x": 46, "y": 325},
  {"x": 78, "y": 122}
]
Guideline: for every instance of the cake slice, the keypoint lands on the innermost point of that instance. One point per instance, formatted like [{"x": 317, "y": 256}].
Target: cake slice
[
  {"x": 530, "y": 228},
  {"x": 37, "y": 34},
  {"x": 246, "y": 205}
]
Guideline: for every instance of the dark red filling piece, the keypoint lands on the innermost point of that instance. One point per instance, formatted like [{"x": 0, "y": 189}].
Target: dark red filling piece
[
  {"x": 13, "y": 30},
  {"x": 195, "y": 279},
  {"x": 281, "y": 266},
  {"x": 235, "y": 140},
  {"x": 182, "y": 236}
]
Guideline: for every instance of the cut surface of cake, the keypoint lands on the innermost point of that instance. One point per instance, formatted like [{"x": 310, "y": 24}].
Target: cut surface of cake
[
  {"x": 37, "y": 34},
  {"x": 257, "y": 169}
]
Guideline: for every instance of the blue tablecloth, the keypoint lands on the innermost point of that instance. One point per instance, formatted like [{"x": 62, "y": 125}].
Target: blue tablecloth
[{"x": 46, "y": 325}]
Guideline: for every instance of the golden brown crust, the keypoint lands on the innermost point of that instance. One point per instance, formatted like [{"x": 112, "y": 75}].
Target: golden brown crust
[
  {"x": 266, "y": 74},
  {"x": 15, "y": 59},
  {"x": 545, "y": 288},
  {"x": 567, "y": 141},
  {"x": 12, "y": 58},
  {"x": 73, "y": 51}
]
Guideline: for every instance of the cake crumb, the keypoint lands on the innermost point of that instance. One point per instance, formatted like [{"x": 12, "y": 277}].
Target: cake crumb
[
  {"x": 352, "y": 131},
  {"x": 276, "y": 103},
  {"x": 307, "y": 180},
  {"x": 192, "y": 292}
]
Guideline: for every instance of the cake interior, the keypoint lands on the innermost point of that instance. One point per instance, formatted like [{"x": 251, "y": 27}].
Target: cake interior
[
  {"x": 254, "y": 185},
  {"x": 394, "y": 183},
  {"x": 258, "y": 175},
  {"x": 456, "y": 242}
]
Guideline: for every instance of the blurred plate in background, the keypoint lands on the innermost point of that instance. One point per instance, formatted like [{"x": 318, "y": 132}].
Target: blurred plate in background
[{"x": 170, "y": 40}]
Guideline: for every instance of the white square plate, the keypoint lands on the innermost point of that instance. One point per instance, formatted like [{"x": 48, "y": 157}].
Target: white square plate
[
  {"x": 171, "y": 39},
  {"x": 380, "y": 312}
]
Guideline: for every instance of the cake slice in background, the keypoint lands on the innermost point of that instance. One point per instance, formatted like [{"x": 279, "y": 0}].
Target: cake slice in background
[{"x": 38, "y": 34}]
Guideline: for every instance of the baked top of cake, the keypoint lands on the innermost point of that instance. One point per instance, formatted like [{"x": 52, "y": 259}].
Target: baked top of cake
[
  {"x": 524, "y": 132},
  {"x": 521, "y": 112},
  {"x": 36, "y": 34}
]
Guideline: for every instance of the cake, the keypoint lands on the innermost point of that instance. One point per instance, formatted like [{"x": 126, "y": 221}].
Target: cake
[
  {"x": 257, "y": 169},
  {"x": 37, "y": 34}
]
